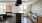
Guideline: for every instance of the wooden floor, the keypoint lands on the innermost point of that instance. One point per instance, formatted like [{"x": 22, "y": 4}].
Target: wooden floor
[
  {"x": 26, "y": 20},
  {"x": 9, "y": 20},
  {"x": 13, "y": 20}
]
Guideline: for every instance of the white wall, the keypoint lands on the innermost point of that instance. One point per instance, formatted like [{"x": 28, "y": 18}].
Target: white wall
[
  {"x": 28, "y": 8},
  {"x": 30, "y": 2},
  {"x": 37, "y": 7},
  {"x": 15, "y": 9}
]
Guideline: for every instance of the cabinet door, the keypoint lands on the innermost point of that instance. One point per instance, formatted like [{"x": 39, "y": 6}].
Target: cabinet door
[
  {"x": 39, "y": 20},
  {"x": 18, "y": 17}
]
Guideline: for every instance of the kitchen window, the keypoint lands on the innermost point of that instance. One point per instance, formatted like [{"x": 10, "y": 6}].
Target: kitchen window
[
  {"x": 22, "y": 8},
  {"x": 2, "y": 9}
]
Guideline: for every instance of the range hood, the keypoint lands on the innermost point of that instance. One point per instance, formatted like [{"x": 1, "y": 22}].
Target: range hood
[{"x": 18, "y": 2}]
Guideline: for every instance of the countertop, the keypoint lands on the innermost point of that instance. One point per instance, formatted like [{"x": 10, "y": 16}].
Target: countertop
[{"x": 40, "y": 16}]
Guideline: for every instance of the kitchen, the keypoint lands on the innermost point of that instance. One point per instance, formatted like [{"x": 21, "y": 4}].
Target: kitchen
[{"x": 30, "y": 8}]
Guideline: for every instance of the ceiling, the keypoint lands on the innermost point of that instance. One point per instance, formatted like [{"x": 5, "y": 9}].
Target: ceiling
[
  {"x": 24, "y": 2},
  {"x": 12, "y": 0}
]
